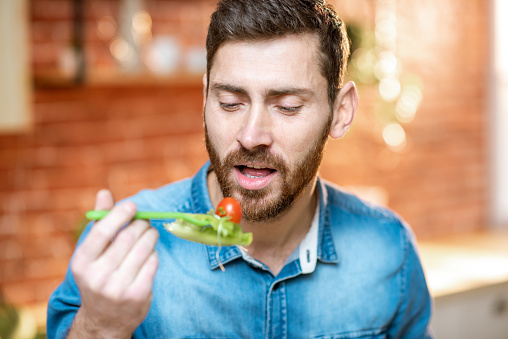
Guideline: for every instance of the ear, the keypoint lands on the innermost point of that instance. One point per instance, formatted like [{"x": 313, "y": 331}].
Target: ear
[
  {"x": 344, "y": 109},
  {"x": 205, "y": 90}
]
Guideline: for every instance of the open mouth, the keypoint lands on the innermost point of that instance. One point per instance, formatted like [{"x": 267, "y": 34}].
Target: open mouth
[
  {"x": 255, "y": 172},
  {"x": 254, "y": 177}
]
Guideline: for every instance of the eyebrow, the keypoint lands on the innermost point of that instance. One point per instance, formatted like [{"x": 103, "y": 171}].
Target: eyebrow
[
  {"x": 228, "y": 88},
  {"x": 290, "y": 91},
  {"x": 269, "y": 93}
]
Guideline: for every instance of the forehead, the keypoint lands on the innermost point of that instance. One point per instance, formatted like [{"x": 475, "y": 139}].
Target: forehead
[{"x": 289, "y": 59}]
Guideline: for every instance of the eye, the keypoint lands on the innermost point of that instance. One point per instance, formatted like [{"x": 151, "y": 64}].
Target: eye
[
  {"x": 230, "y": 107},
  {"x": 289, "y": 109}
]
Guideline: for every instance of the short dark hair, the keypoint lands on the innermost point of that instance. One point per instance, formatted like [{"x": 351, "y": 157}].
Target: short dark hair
[{"x": 250, "y": 20}]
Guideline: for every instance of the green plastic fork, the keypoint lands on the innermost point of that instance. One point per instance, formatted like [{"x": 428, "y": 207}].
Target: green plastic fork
[{"x": 99, "y": 214}]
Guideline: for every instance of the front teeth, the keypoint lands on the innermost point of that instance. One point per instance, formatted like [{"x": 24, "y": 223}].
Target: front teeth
[{"x": 253, "y": 176}]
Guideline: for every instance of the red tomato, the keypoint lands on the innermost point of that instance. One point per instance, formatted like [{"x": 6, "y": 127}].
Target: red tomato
[{"x": 230, "y": 207}]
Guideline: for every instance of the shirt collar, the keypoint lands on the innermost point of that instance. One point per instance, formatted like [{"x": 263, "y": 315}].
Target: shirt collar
[
  {"x": 326, "y": 247},
  {"x": 307, "y": 251},
  {"x": 200, "y": 197},
  {"x": 326, "y": 253},
  {"x": 201, "y": 203}
]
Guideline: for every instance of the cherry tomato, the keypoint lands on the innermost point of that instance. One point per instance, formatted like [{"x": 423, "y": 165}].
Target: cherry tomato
[{"x": 230, "y": 207}]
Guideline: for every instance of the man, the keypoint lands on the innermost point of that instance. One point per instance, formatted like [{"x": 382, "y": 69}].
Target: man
[{"x": 322, "y": 264}]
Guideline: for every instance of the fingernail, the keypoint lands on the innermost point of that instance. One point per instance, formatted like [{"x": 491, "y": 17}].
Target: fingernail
[{"x": 102, "y": 192}]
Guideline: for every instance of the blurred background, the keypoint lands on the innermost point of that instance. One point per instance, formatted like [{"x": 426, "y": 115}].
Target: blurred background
[{"x": 108, "y": 94}]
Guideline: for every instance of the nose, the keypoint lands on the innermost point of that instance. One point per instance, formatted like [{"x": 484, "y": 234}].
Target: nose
[{"x": 256, "y": 128}]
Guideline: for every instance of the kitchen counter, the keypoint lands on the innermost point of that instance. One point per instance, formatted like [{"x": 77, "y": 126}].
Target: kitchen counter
[{"x": 464, "y": 262}]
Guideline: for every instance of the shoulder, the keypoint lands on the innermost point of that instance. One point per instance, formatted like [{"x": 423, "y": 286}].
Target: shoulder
[
  {"x": 347, "y": 202},
  {"x": 367, "y": 230},
  {"x": 343, "y": 204}
]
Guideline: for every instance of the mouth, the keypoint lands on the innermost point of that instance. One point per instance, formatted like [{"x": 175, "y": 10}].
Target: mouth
[
  {"x": 254, "y": 177},
  {"x": 254, "y": 171}
]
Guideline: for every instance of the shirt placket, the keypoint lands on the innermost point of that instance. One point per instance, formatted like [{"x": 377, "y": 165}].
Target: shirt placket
[{"x": 277, "y": 311}]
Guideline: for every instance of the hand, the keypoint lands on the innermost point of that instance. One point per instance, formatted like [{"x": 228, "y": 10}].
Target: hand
[{"x": 114, "y": 269}]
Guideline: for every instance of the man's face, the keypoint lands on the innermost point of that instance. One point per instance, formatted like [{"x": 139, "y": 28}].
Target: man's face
[{"x": 267, "y": 119}]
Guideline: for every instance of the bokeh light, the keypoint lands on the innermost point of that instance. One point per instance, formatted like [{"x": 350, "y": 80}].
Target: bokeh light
[
  {"x": 389, "y": 89},
  {"x": 141, "y": 24},
  {"x": 394, "y": 136},
  {"x": 106, "y": 28},
  {"x": 121, "y": 50},
  {"x": 407, "y": 104}
]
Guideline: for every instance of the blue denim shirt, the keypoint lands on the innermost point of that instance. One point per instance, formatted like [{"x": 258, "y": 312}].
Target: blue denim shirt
[{"x": 368, "y": 281}]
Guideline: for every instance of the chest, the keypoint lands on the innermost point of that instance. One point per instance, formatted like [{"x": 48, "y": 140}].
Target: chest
[{"x": 246, "y": 302}]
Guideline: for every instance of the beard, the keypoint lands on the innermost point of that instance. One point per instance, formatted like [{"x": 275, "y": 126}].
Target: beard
[{"x": 268, "y": 203}]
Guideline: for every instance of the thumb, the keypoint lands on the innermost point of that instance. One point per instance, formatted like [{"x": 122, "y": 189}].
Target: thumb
[{"x": 104, "y": 200}]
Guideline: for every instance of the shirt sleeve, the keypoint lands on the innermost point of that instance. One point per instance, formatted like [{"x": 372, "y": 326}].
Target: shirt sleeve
[
  {"x": 413, "y": 316},
  {"x": 64, "y": 303},
  {"x": 62, "y": 307}
]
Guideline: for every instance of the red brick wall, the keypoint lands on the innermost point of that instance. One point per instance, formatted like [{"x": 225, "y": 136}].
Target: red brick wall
[
  {"x": 439, "y": 183},
  {"x": 127, "y": 137}
]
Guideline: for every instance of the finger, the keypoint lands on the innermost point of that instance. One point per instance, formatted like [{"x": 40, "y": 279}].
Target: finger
[
  {"x": 142, "y": 285},
  {"x": 137, "y": 256},
  {"x": 123, "y": 243},
  {"x": 104, "y": 230},
  {"x": 104, "y": 200}
]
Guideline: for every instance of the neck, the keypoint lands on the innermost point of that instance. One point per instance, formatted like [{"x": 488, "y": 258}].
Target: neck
[{"x": 274, "y": 241}]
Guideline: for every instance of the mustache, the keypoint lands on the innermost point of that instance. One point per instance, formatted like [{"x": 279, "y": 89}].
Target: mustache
[{"x": 260, "y": 154}]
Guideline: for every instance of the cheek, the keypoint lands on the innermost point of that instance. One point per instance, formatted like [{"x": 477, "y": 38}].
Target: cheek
[
  {"x": 300, "y": 140},
  {"x": 220, "y": 133}
]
